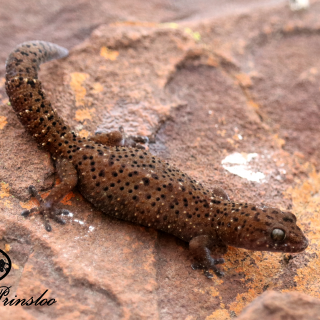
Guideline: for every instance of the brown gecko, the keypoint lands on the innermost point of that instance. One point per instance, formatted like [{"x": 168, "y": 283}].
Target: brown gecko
[{"x": 127, "y": 182}]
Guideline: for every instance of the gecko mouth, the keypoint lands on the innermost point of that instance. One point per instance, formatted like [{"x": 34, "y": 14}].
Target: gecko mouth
[
  {"x": 304, "y": 245},
  {"x": 280, "y": 246},
  {"x": 298, "y": 247}
]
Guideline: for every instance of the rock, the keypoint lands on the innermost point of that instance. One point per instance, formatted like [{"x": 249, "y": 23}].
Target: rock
[{"x": 273, "y": 305}]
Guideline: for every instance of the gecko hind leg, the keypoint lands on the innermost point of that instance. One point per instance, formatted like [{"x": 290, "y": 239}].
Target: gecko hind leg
[
  {"x": 119, "y": 138},
  {"x": 218, "y": 192},
  {"x": 201, "y": 248},
  {"x": 48, "y": 207}
]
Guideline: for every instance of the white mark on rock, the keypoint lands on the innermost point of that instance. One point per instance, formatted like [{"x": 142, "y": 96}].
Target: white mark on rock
[
  {"x": 238, "y": 164},
  {"x": 296, "y": 5},
  {"x": 79, "y": 221}
]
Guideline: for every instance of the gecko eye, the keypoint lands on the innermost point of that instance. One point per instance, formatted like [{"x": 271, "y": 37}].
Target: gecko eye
[{"x": 278, "y": 235}]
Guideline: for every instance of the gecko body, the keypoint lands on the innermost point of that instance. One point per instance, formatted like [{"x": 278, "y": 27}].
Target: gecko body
[{"x": 129, "y": 183}]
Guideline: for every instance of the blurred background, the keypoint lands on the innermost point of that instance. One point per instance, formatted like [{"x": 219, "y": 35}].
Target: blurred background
[{"x": 70, "y": 22}]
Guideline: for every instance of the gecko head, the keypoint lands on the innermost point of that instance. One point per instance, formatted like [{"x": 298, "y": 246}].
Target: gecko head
[
  {"x": 281, "y": 232},
  {"x": 270, "y": 229}
]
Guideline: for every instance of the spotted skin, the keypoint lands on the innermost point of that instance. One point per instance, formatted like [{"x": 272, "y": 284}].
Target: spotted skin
[{"x": 129, "y": 183}]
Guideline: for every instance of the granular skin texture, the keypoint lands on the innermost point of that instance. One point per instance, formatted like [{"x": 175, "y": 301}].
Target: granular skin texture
[{"x": 127, "y": 182}]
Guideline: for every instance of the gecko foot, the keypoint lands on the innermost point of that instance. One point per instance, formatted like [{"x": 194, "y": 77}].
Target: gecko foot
[
  {"x": 214, "y": 262},
  {"x": 133, "y": 140},
  {"x": 45, "y": 209},
  {"x": 136, "y": 139},
  {"x": 119, "y": 138}
]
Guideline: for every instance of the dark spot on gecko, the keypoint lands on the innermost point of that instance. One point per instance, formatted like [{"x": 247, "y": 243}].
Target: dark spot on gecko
[
  {"x": 170, "y": 187},
  {"x": 146, "y": 181}
]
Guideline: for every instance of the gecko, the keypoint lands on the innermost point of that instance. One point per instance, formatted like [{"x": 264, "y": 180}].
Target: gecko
[{"x": 117, "y": 175}]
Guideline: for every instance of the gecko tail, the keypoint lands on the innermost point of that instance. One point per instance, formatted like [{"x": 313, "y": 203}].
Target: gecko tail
[{"x": 25, "y": 60}]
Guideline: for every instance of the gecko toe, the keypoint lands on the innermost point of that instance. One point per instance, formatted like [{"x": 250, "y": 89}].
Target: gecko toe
[
  {"x": 47, "y": 226},
  {"x": 65, "y": 212},
  {"x": 133, "y": 141},
  {"x": 139, "y": 146},
  {"x": 139, "y": 139},
  {"x": 216, "y": 271},
  {"x": 197, "y": 266},
  {"x": 219, "y": 273},
  {"x": 25, "y": 213},
  {"x": 208, "y": 274},
  {"x": 58, "y": 212},
  {"x": 219, "y": 261},
  {"x": 34, "y": 193},
  {"x": 58, "y": 220}
]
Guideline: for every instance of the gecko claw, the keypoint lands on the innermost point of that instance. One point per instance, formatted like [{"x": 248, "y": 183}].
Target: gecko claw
[
  {"x": 34, "y": 193},
  {"x": 58, "y": 220},
  {"x": 208, "y": 274},
  {"x": 196, "y": 266},
  {"x": 65, "y": 212},
  {"x": 48, "y": 227},
  {"x": 216, "y": 271},
  {"x": 26, "y": 213},
  {"x": 219, "y": 273},
  {"x": 218, "y": 261}
]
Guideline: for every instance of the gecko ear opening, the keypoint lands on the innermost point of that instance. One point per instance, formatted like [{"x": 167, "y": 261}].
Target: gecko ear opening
[{"x": 278, "y": 235}]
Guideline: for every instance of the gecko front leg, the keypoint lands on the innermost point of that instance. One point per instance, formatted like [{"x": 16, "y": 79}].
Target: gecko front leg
[
  {"x": 48, "y": 207},
  {"x": 201, "y": 248}
]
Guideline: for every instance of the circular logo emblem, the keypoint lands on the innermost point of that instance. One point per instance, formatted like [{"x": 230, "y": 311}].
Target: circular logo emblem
[{"x": 5, "y": 264}]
